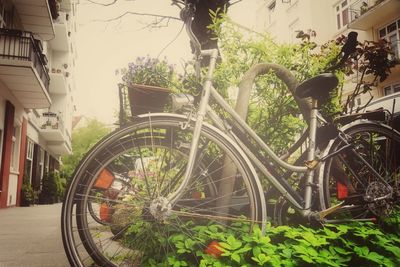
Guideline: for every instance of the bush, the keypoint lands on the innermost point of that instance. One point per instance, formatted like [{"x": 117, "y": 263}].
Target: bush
[
  {"x": 27, "y": 194},
  {"x": 49, "y": 192},
  {"x": 357, "y": 244}
]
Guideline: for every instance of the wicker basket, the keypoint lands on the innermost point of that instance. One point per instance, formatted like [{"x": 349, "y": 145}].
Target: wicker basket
[{"x": 147, "y": 98}]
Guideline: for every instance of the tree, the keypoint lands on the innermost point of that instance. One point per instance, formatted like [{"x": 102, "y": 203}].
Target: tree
[
  {"x": 201, "y": 21},
  {"x": 273, "y": 112},
  {"x": 82, "y": 140}
]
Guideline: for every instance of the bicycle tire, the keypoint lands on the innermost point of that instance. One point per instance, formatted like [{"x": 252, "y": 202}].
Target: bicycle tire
[
  {"x": 87, "y": 242},
  {"x": 359, "y": 187}
]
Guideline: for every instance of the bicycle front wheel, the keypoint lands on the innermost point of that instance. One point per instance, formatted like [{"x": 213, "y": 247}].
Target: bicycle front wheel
[
  {"x": 143, "y": 225},
  {"x": 365, "y": 175}
]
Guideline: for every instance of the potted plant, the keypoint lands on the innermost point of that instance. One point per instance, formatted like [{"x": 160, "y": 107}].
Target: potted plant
[
  {"x": 27, "y": 194},
  {"x": 148, "y": 81}
]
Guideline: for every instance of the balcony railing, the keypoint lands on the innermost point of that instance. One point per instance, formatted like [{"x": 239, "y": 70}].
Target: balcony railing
[
  {"x": 360, "y": 8},
  {"x": 51, "y": 121},
  {"x": 365, "y": 14},
  {"x": 20, "y": 45}
]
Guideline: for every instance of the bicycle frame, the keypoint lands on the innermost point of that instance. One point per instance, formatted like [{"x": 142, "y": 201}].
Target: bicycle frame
[{"x": 301, "y": 203}]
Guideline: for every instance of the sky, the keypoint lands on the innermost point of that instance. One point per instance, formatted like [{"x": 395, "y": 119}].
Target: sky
[{"x": 105, "y": 46}]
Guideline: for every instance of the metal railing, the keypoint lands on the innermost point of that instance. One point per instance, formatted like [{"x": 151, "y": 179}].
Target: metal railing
[
  {"x": 361, "y": 7},
  {"x": 53, "y": 121},
  {"x": 20, "y": 45}
]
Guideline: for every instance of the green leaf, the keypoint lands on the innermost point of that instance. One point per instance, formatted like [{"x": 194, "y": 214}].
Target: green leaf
[
  {"x": 361, "y": 251},
  {"x": 182, "y": 251},
  {"x": 375, "y": 257},
  {"x": 225, "y": 245},
  {"x": 235, "y": 257},
  {"x": 339, "y": 250},
  {"x": 243, "y": 249},
  {"x": 312, "y": 252},
  {"x": 256, "y": 251},
  {"x": 394, "y": 250},
  {"x": 388, "y": 263},
  {"x": 306, "y": 258},
  {"x": 314, "y": 240},
  {"x": 261, "y": 259},
  {"x": 287, "y": 253},
  {"x": 233, "y": 242}
]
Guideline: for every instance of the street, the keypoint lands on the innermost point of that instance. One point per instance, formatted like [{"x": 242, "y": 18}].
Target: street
[{"x": 31, "y": 236}]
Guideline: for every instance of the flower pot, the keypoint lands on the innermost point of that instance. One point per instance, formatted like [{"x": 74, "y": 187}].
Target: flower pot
[{"x": 147, "y": 98}]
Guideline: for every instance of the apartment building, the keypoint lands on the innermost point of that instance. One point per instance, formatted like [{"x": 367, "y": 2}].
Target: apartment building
[
  {"x": 372, "y": 19},
  {"x": 37, "y": 58}
]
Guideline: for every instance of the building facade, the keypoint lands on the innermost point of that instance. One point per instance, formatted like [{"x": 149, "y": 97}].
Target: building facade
[
  {"x": 37, "y": 58},
  {"x": 372, "y": 19}
]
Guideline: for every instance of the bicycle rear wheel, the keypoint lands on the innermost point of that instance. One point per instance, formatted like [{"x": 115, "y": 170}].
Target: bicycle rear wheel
[
  {"x": 143, "y": 226},
  {"x": 368, "y": 193}
]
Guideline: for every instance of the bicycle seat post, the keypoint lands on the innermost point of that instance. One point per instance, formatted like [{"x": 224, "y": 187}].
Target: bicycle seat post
[{"x": 311, "y": 154}]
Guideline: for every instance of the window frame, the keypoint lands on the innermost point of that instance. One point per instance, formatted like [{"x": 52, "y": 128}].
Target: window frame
[
  {"x": 342, "y": 7},
  {"x": 391, "y": 88},
  {"x": 15, "y": 149},
  {"x": 383, "y": 33}
]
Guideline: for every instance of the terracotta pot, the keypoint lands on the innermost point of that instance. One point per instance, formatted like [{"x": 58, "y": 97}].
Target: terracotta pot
[{"x": 147, "y": 98}]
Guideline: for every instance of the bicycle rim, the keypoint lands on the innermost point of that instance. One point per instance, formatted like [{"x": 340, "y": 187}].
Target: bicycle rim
[{"x": 142, "y": 225}]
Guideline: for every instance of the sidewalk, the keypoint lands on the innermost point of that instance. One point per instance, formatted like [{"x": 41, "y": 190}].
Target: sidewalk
[{"x": 31, "y": 237}]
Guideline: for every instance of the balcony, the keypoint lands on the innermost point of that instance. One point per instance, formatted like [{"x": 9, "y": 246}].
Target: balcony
[
  {"x": 22, "y": 68},
  {"x": 387, "y": 102},
  {"x": 51, "y": 127},
  {"x": 61, "y": 28},
  {"x": 60, "y": 148},
  {"x": 58, "y": 83},
  {"x": 365, "y": 14},
  {"x": 35, "y": 17}
]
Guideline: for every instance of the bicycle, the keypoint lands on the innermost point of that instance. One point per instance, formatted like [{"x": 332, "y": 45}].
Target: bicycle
[{"x": 195, "y": 170}]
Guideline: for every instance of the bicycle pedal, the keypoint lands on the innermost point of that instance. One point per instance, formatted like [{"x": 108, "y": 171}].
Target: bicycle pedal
[{"x": 322, "y": 214}]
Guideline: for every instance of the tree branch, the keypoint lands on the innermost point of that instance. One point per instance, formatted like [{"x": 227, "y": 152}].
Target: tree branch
[
  {"x": 138, "y": 14},
  {"x": 108, "y": 4}
]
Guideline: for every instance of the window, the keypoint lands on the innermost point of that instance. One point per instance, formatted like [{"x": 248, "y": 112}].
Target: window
[
  {"x": 342, "y": 14},
  {"x": 391, "y": 33},
  {"x": 29, "y": 159},
  {"x": 41, "y": 165},
  {"x": 7, "y": 15},
  {"x": 391, "y": 89},
  {"x": 15, "y": 149}
]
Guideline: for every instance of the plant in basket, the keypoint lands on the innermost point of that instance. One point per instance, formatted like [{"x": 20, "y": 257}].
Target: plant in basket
[{"x": 149, "y": 81}]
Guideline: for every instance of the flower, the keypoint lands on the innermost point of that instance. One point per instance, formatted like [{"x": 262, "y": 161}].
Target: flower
[
  {"x": 149, "y": 71},
  {"x": 213, "y": 249}
]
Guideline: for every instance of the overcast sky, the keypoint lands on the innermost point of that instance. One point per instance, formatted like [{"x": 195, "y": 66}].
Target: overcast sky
[{"x": 104, "y": 47}]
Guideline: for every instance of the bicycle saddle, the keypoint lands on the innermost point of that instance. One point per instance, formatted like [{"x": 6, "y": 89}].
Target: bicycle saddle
[{"x": 317, "y": 87}]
